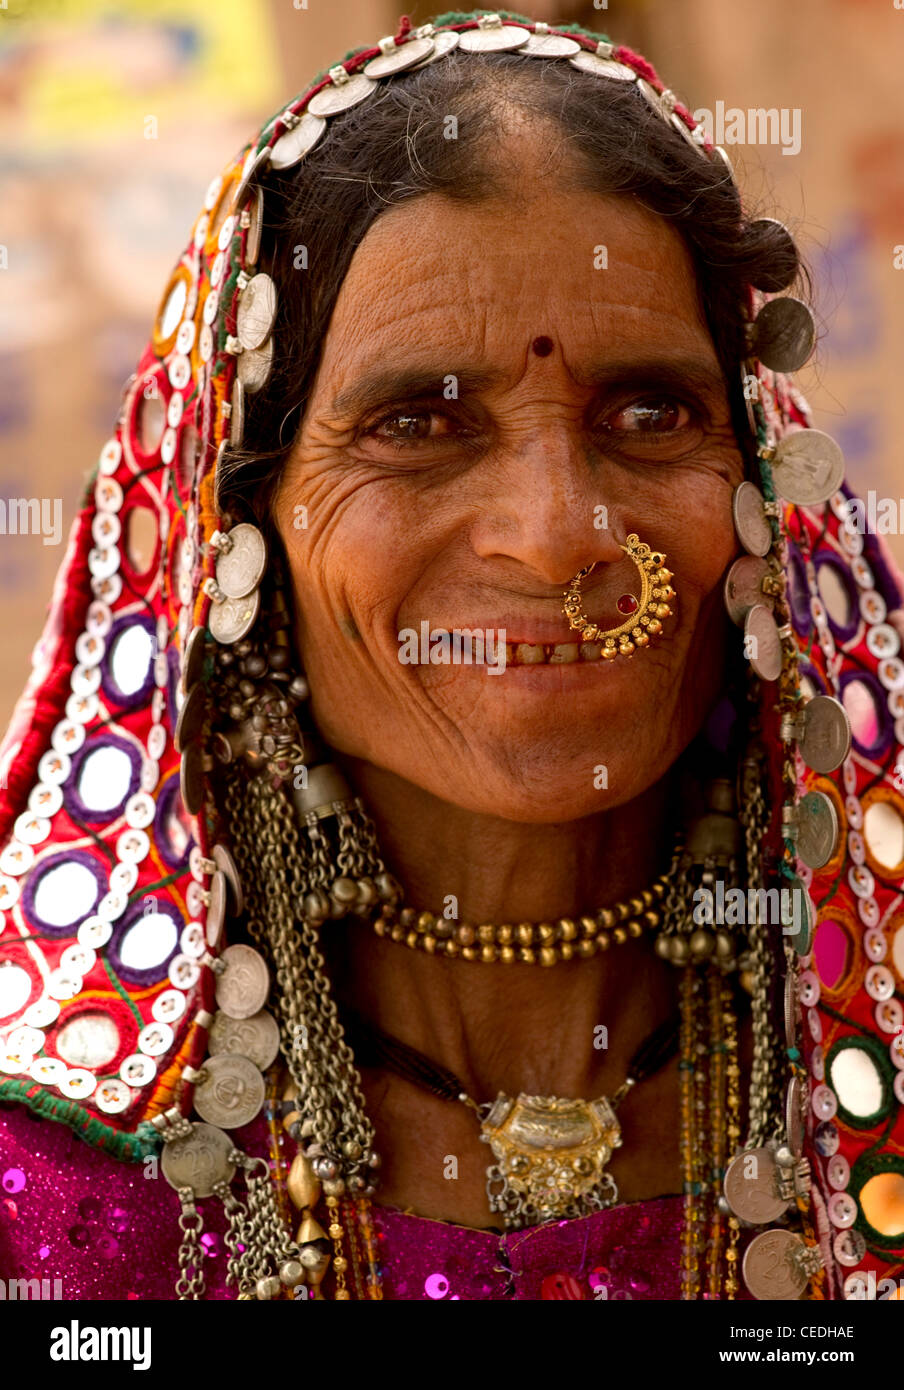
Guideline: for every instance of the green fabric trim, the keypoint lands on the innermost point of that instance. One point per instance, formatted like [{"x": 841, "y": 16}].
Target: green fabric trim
[
  {"x": 866, "y": 1043},
  {"x": 121, "y": 991},
  {"x": 134, "y": 1148}
]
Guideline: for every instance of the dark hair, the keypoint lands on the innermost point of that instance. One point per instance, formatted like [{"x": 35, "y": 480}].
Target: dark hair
[{"x": 392, "y": 147}]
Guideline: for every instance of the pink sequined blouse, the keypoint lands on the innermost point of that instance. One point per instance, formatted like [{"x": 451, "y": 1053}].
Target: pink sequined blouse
[{"x": 97, "y": 1228}]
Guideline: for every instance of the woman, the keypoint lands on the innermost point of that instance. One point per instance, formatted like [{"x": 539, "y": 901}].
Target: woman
[{"x": 470, "y": 386}]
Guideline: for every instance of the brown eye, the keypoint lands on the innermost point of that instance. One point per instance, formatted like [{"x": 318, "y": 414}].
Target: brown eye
[
  {"x": 652, "y": 416},
  {"x": 407, "y": 425}
]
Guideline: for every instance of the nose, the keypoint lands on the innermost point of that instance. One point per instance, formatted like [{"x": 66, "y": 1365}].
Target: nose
[{"x": 546, "y": 507}]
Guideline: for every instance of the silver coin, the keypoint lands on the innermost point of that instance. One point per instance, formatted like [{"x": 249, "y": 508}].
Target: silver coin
[
  {"x": 231, "y": 619},
  {"x": 241, "y": 568},
  {"x": 603, "y": 67},
  {"x": 231, "y": 1093},
  {"x": 825, "y": 739},
  {"x": 216, "y": 911},
  {"x": 226, "y": 864},
  {"x": 237, "y": 415},
  {"x": 744, "y": 587},
  {"x": 753, "y": 527},
  {"x": 297, "y": 142},
  {"x": 256, "y": 1038},
  {"x": 339, "y": 97},
  {"x": 784, "y": 259},
  {"x": 817, "y": 829},
  {"x": 807, "y": 468},
  {"x": 550, "y": 46},
  {"x": 191, "y": 779},
  {"x": 243, "y": 986},
  {"x": 792, "y": 1009},
  {"x": 783, "y": 334},
  {"x": 500, "y": 38},
  {"x": 254, "y": 367},
  {"x": 398, "y": 59},
  {"x": 443, "y": 43},
  {"x": 193, "y": 658},
  {"x": 720, "y": 152},
  {"x": 751, "y": 1187},
  {"x": 255, "y": 170},
  {"x": 685, "y": 132},
  {"x": 794, "y": 1121},
  {"x": 255, "y": 229},
  {"x": 762, "y": 642},
  {"x": 770, "y": 1270},
  {"x": 798, "y": 932},
  {"x": 191, "y": 717},
  {"x": 199, "y": 1160},
  {"x": 256, "y": 311},
  {"x": 652, "y": 98}
]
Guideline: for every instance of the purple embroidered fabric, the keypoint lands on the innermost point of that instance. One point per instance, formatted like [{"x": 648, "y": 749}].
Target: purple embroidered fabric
[{"x": 108, "y": 1230}]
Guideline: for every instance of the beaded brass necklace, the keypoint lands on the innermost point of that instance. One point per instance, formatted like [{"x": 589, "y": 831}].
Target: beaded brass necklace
[{"x": 532, "y": 943}]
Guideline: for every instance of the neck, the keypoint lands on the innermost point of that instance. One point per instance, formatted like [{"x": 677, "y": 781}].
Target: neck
[{"x": 519, "y": 1027}]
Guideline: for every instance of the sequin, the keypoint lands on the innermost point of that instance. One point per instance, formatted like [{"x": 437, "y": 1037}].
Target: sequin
[
  {"x": 826, "y": 1138},
  {"x": 13, "y": 1180},
  {"x": 436, "y": 1286}
]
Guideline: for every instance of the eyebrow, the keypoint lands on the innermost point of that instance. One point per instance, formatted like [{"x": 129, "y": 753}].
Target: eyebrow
[{"x": 381, "y": 384}]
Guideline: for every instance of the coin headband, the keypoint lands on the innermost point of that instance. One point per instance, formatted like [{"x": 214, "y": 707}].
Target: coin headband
[{"x": 115, "y": 878}]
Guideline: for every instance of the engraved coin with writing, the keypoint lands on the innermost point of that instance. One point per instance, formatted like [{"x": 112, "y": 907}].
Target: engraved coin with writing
[
  {"x": 231, "y": 618},
  {"x": 751, "y": 1187},
  {"x": 243, "y": 986},
  {"x": 770, "y": 1270},
  {"x": 825, "y": 739},
  {"x": 398, "y": 59},
  {"x": 231, "y": 1093},
  {"x": 340, "y": 96},
  {"x": 256, "y": 1038},
  {"x": 817, "y": 829},
  {"x": 743, "y": 587},
  {"x": 240, "y": 568},
  {"x": 297, "y": 142},
  {"x": 808, "y": 467},
  {"x": 751, "y": 522},
  {"x": 256, "y": 311},
  {"x": 199, "y": 1160},
  {"x": 763, "y": 643}
]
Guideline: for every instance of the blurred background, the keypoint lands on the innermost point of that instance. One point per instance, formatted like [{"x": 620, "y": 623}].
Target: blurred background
[{"x": 117, "y": 113}]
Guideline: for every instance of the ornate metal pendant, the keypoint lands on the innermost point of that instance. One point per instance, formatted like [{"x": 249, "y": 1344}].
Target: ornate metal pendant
[{"x": 551, "y": 1156}]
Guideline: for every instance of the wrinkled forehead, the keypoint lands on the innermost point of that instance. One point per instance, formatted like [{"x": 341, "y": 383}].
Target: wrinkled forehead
[{"x": 436, "y": 282}]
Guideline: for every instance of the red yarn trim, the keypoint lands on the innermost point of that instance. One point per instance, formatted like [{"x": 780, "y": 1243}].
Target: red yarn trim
[{"x": 636, "y": 61}]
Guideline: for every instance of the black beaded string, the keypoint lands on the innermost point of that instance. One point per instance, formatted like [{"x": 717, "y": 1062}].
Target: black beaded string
[{"x": 373, "y": 1047}]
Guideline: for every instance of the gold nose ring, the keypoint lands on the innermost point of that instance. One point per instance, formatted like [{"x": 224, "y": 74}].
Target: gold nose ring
[{"x": 643, "y": 615}]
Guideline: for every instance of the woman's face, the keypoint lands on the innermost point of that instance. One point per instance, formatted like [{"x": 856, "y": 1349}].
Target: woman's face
[{"x": 453, "y": 470}]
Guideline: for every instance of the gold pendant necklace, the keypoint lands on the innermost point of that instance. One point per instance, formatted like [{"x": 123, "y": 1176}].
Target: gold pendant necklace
[{"x": 550, "y": 1154}]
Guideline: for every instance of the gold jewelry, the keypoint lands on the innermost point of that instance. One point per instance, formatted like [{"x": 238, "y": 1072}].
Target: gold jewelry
[
  {"x": 645, "y": 613},
  {"x": 550, "y": 1154},
  {"x": 533, "y": 943}
]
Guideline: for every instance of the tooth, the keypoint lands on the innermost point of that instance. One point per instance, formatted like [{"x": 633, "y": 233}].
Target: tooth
[
  {"x": 509, "y": 653},
  {"x": 528, "y": 654},
  {"x": 564, "y": 653},
  {"x": 590, "y": 651}
]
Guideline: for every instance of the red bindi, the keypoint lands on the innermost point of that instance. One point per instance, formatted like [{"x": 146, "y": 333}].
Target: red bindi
[{"x": 542, "y": 346}]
